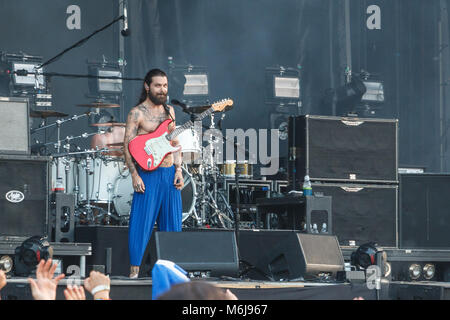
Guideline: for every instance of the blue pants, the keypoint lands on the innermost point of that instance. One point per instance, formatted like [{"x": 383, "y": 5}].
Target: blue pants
[{"x": 161, "y": 203}]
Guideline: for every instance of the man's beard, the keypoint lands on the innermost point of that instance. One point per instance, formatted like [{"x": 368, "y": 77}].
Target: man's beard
[{"x": 157, "y": 99}]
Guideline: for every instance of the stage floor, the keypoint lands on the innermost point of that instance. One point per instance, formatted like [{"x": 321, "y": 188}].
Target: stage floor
[{"x": 141, "y": 289}]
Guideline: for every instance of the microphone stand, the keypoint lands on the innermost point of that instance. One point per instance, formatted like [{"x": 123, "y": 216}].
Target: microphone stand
[
  {"x": 79, "y": 43},
  {"x": 237, "y": 172},
  {"x": 237, "y": 215}
]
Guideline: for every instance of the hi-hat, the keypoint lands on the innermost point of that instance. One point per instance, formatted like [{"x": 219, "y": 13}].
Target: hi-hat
[
  {"x": 109, "y": 124},
  {"x": 47, "y": 114},
  {"x": 99, "y": 105}
]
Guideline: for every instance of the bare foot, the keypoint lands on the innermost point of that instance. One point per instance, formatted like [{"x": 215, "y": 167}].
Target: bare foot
[{"x": 134, "y": 272}]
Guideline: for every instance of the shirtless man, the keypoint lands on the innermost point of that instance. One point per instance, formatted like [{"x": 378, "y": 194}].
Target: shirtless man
[{"x": 157, "y": 196}]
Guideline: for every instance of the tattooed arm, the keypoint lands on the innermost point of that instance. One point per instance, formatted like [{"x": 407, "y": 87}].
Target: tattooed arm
[
  {"x": 177, "y": 159},
  {"x": 131, "y": 131}
]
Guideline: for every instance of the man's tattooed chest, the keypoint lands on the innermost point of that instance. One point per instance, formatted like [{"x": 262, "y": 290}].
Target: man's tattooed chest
[{"x": 153, "y": 117}]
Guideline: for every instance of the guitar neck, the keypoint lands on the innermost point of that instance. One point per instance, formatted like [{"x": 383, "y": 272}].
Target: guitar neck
[{"x": 189, "y": 124}]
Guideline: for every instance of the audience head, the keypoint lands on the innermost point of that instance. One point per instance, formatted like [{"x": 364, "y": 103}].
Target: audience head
[{"x": 197, "y": 290}]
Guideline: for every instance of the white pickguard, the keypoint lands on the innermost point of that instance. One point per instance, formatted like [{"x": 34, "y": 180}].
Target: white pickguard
[{"x": 158, "y": 147}]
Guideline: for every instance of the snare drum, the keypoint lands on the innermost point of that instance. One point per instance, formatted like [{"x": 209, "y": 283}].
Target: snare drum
[
  {"x": 190, "y": 145},
  {"x": 228, "y": 169}
]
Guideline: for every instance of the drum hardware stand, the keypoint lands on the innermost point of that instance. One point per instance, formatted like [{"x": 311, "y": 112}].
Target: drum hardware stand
[
  {"x": 58, "y": 124},
  {"x": 217, "y": 212},
  {"x": 110, "y": 188},
  {"x": 227, "y": 205},
  {"x": 209, "y": 200}
]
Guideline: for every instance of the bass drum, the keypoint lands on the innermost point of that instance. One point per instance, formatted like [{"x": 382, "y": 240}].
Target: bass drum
[
  {"x": 188, "y": 194},
  {"x": 123, "y": 194}
]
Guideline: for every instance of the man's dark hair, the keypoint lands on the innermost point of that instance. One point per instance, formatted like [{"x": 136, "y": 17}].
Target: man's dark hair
[
  {"x": 148, "y": 80},
  {"x": 194, "y": 290}
]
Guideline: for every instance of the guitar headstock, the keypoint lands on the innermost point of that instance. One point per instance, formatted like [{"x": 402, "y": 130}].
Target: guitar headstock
[{"x": 221, "y": 105}]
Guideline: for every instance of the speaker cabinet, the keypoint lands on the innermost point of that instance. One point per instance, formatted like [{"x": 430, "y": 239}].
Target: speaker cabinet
[
  {"x": 424, "y": 206},
  {"x": 14, "y": 126},
  {"x": 283, "y": 254},
  {"x": 23, "y": 196},
  {"x": 212, "y": 252},
  {"x": 335, "y": 149},
  {"x": 363, "y": 213},
  {"x": 109, "y": 247}
]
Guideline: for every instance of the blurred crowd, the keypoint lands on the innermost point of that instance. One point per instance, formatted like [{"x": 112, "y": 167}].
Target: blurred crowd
[{"x": 169, "y": 283}]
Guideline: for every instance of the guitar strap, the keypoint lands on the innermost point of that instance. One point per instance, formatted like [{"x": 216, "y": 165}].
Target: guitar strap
[{"x": 168, "y": 111}]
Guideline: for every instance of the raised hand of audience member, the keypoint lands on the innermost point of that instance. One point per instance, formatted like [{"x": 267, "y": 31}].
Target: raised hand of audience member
[
  {"x": 44, "y": 287},
  {"x": 2, "y": 280},
  {"x": 74, "y": 293},
  {"x": 98, "y": 285}
]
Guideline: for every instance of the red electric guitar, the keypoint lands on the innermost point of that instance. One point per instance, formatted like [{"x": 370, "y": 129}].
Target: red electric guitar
[{"x": 149, "y": 150}]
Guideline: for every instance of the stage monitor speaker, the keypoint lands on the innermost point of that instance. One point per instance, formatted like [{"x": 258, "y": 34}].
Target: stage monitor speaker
[
  {"x": 362, "y": 213},
  {"x": 109, "y": 247},
  {"x": 342, "y": 149},
  {"x": 14, "y": 126},
  {"x": 424, "y": 205},
  {"x": 213, "y": 253},
  {"x": 286, "y": 254},
  {"x": 24, "y": 196}
]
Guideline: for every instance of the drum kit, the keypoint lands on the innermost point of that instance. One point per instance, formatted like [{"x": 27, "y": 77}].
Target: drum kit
[{"x": 102, "y": 186}]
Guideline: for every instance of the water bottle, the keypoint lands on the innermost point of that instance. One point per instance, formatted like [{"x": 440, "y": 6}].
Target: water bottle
[
  {"x": 58, "y": 186},
  {"x": 314, "y": 228},
  {"x": 324, "y": 228},
  {"x": 307, "y": 189}
]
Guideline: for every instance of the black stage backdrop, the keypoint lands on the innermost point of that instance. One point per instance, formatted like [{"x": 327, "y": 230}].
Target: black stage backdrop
[
  {"x": 236, "y": 40},
  {"x": 40, "y": 28}
]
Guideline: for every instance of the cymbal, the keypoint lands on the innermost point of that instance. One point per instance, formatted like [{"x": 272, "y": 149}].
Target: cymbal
[
  {"x": 46, "y": 114},
  {"x": 117, "y": 144},
  {"x": 201, "y": 109},
  {"x": 99, "y": 105},
  {"x": 109, "y": 124}
]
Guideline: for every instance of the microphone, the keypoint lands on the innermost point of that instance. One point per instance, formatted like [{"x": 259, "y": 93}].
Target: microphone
[
  {"x": 219, "y": 124},
  {"x": 125, "y": 31},
  {"x": 178, "y": 103}
]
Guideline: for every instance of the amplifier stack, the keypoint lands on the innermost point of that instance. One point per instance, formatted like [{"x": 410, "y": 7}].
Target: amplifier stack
[
  {"x": 355, "y": 161},
  {"x": 24, "y": 179}
]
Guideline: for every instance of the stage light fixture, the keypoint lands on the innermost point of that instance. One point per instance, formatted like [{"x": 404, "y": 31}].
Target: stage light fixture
[
  {"x": 345, "y": 98},
  {"x": 374, "y": 92},
  {"x": 283, "y": 86},
  {"x": 286, "y": 87},
  {"x": 29, "y": 253},
  {"x": 364, "y": 256},
  {"x": 415, "y": 271},
  {"x": 6, "y": 263},
  {"x": 196, "y": 85},
  {"x": 109, "y": 85},
  {"x": 188, "y": 83},
  {"x": 387, "y": 269},
  {"x": 27, "y": 74},
  {"x": 106, "y": 80},
  {"x": 429, "y": 271}
]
